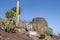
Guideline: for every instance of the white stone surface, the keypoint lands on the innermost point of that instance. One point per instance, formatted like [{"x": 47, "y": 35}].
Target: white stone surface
[{"x": 33, "y": 33}]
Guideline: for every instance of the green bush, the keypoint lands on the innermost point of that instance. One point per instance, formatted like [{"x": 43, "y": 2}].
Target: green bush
[
  {"x": 42, "y": 36},
  {"x": 12, "y": 28},
  {"x": 2, "y": 24},
  {"x": 48, "y": 32},
  {"x": 9, "y": 27}
]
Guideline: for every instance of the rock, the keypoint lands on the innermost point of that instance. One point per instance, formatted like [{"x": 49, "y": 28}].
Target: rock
[
  {"x": 39, "y": 24},
  {"x": 32, "y": 33}
]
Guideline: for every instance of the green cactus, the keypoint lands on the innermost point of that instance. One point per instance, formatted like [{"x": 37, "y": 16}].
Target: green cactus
[
  {"x": 12, "y": 28},
  {"x": 9, "y": 26}
]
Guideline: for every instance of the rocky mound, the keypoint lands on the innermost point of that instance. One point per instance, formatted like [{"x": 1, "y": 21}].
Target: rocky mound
[
  {"x": 41, "y": 21},
  {"x": 39, "y": 24},
  {"x": 21, "y": 36}
]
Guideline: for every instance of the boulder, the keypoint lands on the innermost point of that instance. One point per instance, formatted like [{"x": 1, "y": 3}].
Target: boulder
[{"x": 39, "y": 24}]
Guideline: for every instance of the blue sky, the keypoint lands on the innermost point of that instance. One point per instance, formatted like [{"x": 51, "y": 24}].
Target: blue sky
[{"x": 48, "y": 9}]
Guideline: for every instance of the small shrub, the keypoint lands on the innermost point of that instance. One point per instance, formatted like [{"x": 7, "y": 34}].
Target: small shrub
[
  {"x": 42, "y": 36},
  {"x": 9, "y": 27},
  {"x": 48, "y": 32}
]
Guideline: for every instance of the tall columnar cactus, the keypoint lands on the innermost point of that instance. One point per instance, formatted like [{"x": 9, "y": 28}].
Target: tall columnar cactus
[{"x": 17, "y": 13}]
